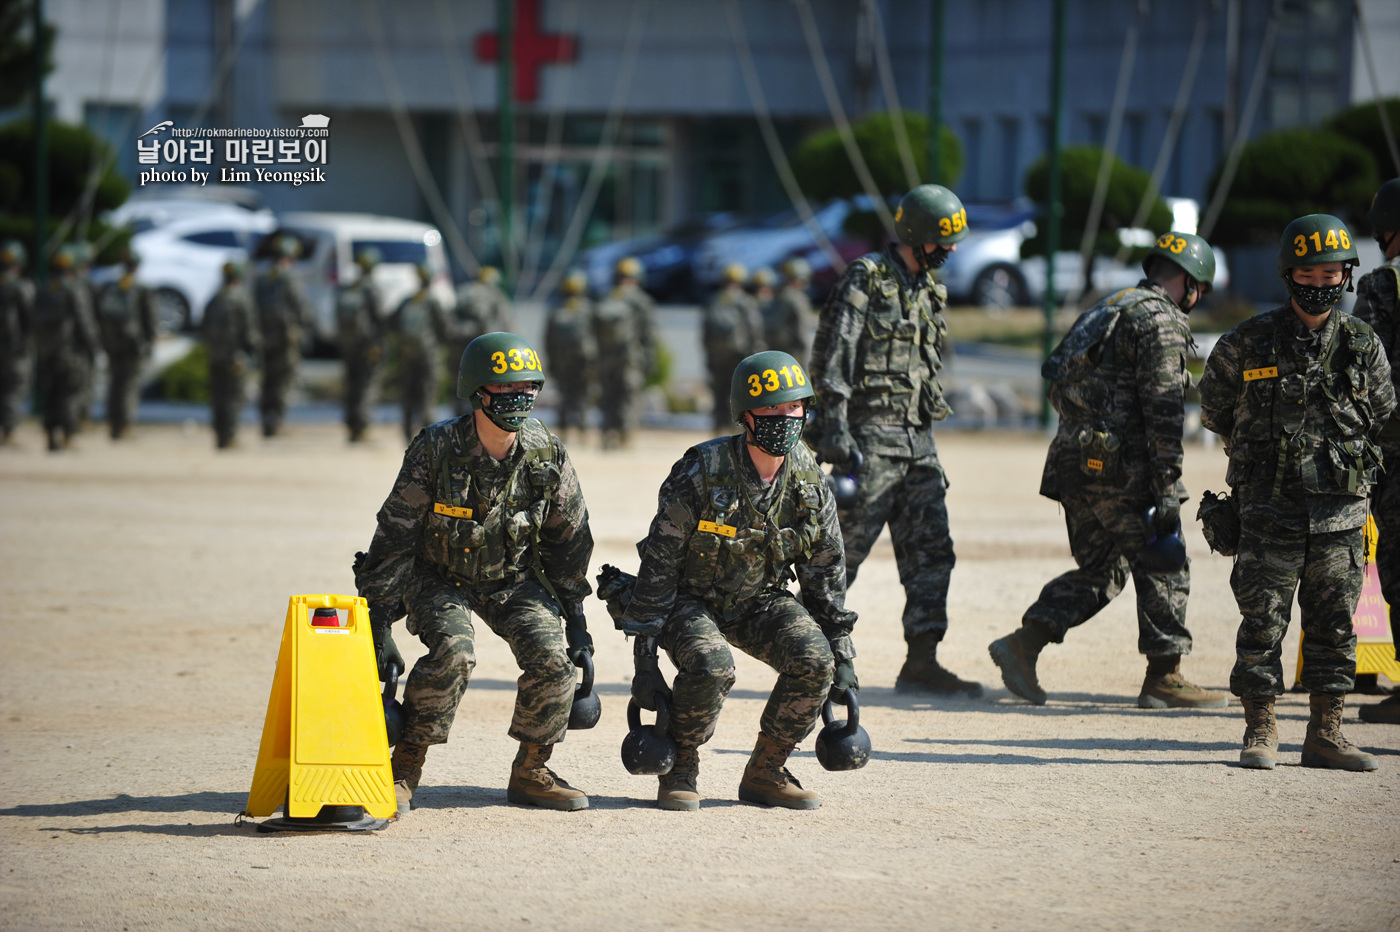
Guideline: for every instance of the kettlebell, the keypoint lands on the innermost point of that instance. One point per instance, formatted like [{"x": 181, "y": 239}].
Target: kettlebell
[
  {"x": 648, "y": 749},
  {"x": 843, "y": 745},
  {"x": 587, "y": 707},
  {"x": 1162, "y": 553},
  {"x": 843, "y": 485},
  {"x": 393, "y": 709}
]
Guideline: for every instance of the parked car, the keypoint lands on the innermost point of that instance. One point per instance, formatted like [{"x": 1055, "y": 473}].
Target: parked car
[
  {"x": 153, "y": 207},
  {"x": 667, "y": 259},
  {"x": 985, "y": 268},
  {"x": 768, "y": 241}
]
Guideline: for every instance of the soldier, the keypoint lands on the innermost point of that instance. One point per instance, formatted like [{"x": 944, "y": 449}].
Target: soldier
[
  {"x": 1301, "y": 394},
  {"x": 67, "y": 339},
  {"x": 732, "y": 330},
  {"x": 229, "y": 330},
  {"x": 788, "y": 320},
  {"x": 762, "y": 286},
  {"x": 87, "y": 361},
  {"x": 623, "y": 333},
  {"x": 126, "y": 315},
  {"x": 1378, "y": 304},
  {"x": 486, "y": 516},
  {"x": 1117, "y": 381},
  {"x": 875, "y": 365},
  {"x": 16, "y": 337},
  {"x": 482, "y": 307},
  {"x": 627, "y": 284},
  {"x": 361, "y": 327},
  {"x": 572, "y": 352},
  {"x": 738, "y": 518},
  {"x": 284, "y": 314},
  {"x": 422, "y": 328}
]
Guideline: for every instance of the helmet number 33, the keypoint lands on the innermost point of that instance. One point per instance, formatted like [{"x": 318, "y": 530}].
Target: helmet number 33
[
  {"x": 516, "y": 360},
  {"x": 774, "y": 379}
]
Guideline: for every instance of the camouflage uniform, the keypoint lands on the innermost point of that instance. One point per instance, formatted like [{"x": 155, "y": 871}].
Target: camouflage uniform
[
  {"x": 1135, "y": 396},
  {"x": 482, "y": 307},
  {"x": 1300, "y": 411},
  {"x": 875, "y": 363},
  {"x": 732, "y": 330},
  {"x": 229, "y": 331},
  {"x": 16, "y": 346},
  {"x": 283, "y": 316},
  {"x": 570, "y": 347},
  {"x": 126, "y": 315},
  {"x": 644, "y": 313},
  {"x": 462, "y": 533},
  {"x": 422, "y": 327},
  {"x": 360, "y": 326},
  {"x": 789, "y": 322},
  {"x": 700, "y": 592},
  {"x": 622, "y": 364},
  {"x": 67, "y": 340}
]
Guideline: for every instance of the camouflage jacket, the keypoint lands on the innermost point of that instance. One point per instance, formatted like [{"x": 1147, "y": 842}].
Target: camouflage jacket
[
  {"x": 229, "y": 326},
  {"x": 723, "y": 537},
  {"x": 422, "y": 326},
  {"x": 486, "y": 526},
  {"x": 482, "y": 308},
  {"x": 616, "y": 333},
  {"x": 789, "y": 323},
  {"x": 878, "y": 350},
  {"x": 1117, "y": 381},
  {"x": 16, "y": 316},
  {"x": 731, "y": 327},
  {"x": 1378, "y": 303},
  {"x": 359, "y": 317},
  {"x": 1300, "y": 411},
  {"x": 126, "y": 315},
  {"x": 644, "y": 313},
  {"x": 63, "y": 325},
  {"x": 284, "y": 313},
  {"x": 569, "y": 341}
]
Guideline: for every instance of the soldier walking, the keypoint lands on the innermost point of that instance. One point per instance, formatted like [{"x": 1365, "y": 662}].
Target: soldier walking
[
  {"x": 732, "y": 330},
  {"x": 67, "y": 340},
  {"x": 284, "y": 314},
  {"x": 875, "y": 364},
  {"x": 570, "y": 347},
  {"x": 627, "y": 284},
  {"x": 1117, "y": 381},
  {"x": 1301, "y": 395},
  {"x": 486, "y": 516},
  {"x": 738, "y": 517},
  {"x": 127, "y": 318},
  {"x": 789, "y": 322},
  {"x": 621, "y": 328},
  {"x": 482, "y": 307},
  {"x": 16, "y": 337},
  {"x": 229, "y": 330},
  {"x": 422, "y": 328},
  {"x": 361, "y": 328}
]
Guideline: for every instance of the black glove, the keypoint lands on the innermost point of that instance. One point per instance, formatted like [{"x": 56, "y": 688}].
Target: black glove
[
  {"x": 386, "y": 654},
  {"x": 1166, "y": 514},
  {"x": 576, "y": 633},
  {"x": 838, "y": 446},
  {"x": 844, "y": 679},
  {"x": 648, "y": 680}
]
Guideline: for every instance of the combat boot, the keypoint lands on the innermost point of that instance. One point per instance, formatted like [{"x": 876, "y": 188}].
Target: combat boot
[
  {"x": 922, "y": 673},
  {"x": 534, "y": 784},
  {"x": 677, "y": 788},
  {"x": 767, "y": 782},
  {"x": 1260, "y": 750},
  {"x": 1325, "y": 745},
  {"x": 1016, "y": 654},
  {"x": 1165, "y": 688},
  {"x": 407, "y": 765},
  {"x": 1385, "y": 712}
]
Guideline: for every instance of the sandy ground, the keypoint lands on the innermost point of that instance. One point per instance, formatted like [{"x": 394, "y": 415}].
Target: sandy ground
[{"x": 144, "y": 588}]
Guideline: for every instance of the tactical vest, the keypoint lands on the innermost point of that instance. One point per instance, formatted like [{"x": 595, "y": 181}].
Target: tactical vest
[
  {"x": 355, "y": 323},
  {"x": 415, "y": 324},
  {"x": 899, "y": 353},
  {"x": 56, "y": 325},
  {"x": 571, "y": 333},
  {"x": 728, "y": 328},
  {"x": 278, "y": 316},
  {"x": 116, "y": 315},
  {"x": 612, "y": 323},
  {"x": 227, "y": 322},
  {"x": 483, "y": 541},
  {"x": 737, "y": 551}
]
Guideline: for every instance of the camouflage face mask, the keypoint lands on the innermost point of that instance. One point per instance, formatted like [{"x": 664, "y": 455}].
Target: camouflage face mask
[
  {"x": 777, "y": 434},
  {"x": 508, "y": 410},
  {"x": 1316, "y": 299}
]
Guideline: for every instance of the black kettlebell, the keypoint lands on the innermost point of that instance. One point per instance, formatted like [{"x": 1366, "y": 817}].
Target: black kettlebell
[
  {"x": 393, "y": 709},
  {"x": 648, "y": 749},
  {"x": 587, "y": 707},
  {"x": 1161, "y": 553},
  {"x": 843, "y": 745},
  {"x": 843, "y": 485}
]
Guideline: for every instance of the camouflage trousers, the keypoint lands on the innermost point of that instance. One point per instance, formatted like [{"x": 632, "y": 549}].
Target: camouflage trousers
[
  {"x": 1385, "y": 508},
  {"x": 225, "y": 396},
  {"x": 527, "y": 618},
  {"x": 14, "y": 385},
  {"x": 1326, "y": 570},
  {"x": 419, "y": 384},
  {"x": 618, "y": 392},
  {"x": 911, "y": 496},
  {"x": 1106, "y": 537},
  {"x": 361, "y": 364},
  {"x": 777, "y": 631},
  {"x": 61, "y": 384},
  {"x": 279, "y": 370},
  {"x": 123, "y": 388},
  {"x": 574, "y": 398}
]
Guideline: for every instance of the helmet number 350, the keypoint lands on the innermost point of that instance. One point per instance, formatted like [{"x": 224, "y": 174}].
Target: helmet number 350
[
  {"x": 950, "y": 225},
  {"x": 515, "y": 359},
  {"x": 773, "y": 379},
  {"x": 1333, "y": 240}
]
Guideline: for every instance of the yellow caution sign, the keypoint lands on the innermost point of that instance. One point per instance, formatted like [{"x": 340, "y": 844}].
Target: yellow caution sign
[
  {"x": 1375, "y": 647},
  {"x": 323, "y": 742}
]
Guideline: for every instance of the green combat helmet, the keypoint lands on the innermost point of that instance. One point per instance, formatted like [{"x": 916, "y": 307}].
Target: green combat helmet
[
  {"x": 1385, "y": 213},
  {"x": 367, "y": 258},
  {"x": 499, "y": 359},
  {"x": 1316, "y": 240},
  {"x": 12, "y": 254},
  {"x": 735, "y": 273},
  {"x": 233, "y": 271},
  {"x": 629, "y": 267},
  {"x": 797, "y": 270},
  {"x": 488, "y": 275},
  {"x": 575, "y": 282},
  {"x": 1190, "y": 253},
  {"x": 930, "y": 215},
  {"x": 764, "y": 278},
  {"x": 287, "y": 247},
  {"x": 760, "y": 381}
]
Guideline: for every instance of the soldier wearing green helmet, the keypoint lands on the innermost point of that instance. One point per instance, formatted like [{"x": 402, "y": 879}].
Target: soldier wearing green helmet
[
  {"x": 1378, "y": 304},
  {"x": 284, "y": 316},
  {"x": 571, "y": 348},
  {"x": 229, "y": 330},
  {"x": 875, "y": 363},
  {"x": 1117, "y": 380},
  {"x": 482, "y": 307},
  {"x": 737, "y": 518},
  {"x": 126, "y": 317},
  {"x": 66, "y": 341},
  {"x": 16, "y": 336},
  {"x": 789, "y": 322},
  {"x": 486, "y": 517},
  {"x": 731, "y": 329},
  {"x": 362, "y": 329},
  {"x": 625, "y": 334},
  {"x": 1301, "y": 394},
  {"x": 423, "y": 329}
]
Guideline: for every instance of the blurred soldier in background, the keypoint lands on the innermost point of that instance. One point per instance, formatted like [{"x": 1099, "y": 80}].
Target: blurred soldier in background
[
  {"x": 423, "y": 329},
  {"x": 762, "y": 285},
  {"x": 360, "y": 326},
  {"x": 87, "y": 375},
  {"x": 482, "y": 307},
  {"x": 572, "y": 352},
  {"x": 789, "y": 323},
  {"x": 733, "y": 330},
  {"x": 623, "y": 328},
  {"x": 67, "y": 341},
  {"x": 230, "y": 334},
  {"x": 284, "y": 314},
  {"x": 126, "y": 315},
  {"x": 16, "y": 336},
  {"x": 627, "y": 284}
]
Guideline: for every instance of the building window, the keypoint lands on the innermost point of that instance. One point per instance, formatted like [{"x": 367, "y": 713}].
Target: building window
[
  {"x": 1130, "y": 146},
  {"x": 972, "y": 159},
  {"x": 1009, "y": 182},
  {"x": 1095, "y": 128}
]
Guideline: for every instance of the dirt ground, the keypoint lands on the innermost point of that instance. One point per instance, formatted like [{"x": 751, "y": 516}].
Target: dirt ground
[{"x": 142, "y": 594}]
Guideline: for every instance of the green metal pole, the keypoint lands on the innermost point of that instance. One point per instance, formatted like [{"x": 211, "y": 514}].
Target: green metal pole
[
  {"x": 505, "y": 89},
  {"x": 1055, "y": 209},
  {"x": 935, "y": 92},
  {"x": 41, "y": 151}
]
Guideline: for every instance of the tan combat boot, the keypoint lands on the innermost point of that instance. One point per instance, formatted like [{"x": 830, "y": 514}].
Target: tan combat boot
[
  {"x": 1260, "y": 750},
  {"x": 1016, "y": 654},
  {"x": 922, "y": 673},
  {"x": 767, "y": 782},
  {"x": 677, "y": 788},
  {"x": 1385, "y": 712},
  {"x": 407, "y": 764},
  {"x": 534, "y": 784},
  {"x": 1325, "y": 745},
  {"x": 1165, "y": 688}
]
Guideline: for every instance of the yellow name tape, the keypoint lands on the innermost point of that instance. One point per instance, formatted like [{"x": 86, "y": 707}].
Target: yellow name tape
[
  {"x": 723, "y": 530},
  {"x": 1269, "y": 372},
  {"x": 451, "y": 511},
  {"x": 1096, "y": 465}
]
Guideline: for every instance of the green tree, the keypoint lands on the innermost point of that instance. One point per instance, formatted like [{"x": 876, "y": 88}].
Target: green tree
[
  {"x": 1362, "y": 124},
  {"x": 17, "y": 51}
]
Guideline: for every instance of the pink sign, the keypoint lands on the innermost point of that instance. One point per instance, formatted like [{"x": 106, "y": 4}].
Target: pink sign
[{"x": 1372, "y": 618}]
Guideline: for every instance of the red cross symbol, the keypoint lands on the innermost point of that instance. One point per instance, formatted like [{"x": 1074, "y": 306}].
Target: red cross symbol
[{"x": 533, "y": 49}]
